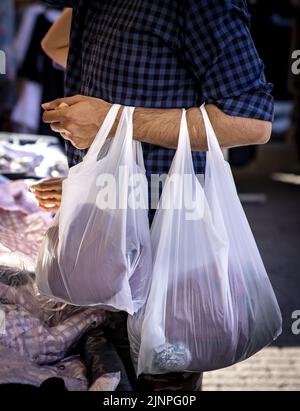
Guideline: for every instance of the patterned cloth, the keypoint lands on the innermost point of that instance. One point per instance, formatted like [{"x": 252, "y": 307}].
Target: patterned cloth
[
  {"x": 22, "y": 223},
  {"x": 166, "y": 54},
  {"x": 37, "y": 332},
  {"x": 27, "y": 333},
  {"x": 21, "y": 232},
  {"x": 16, "y": 368}
]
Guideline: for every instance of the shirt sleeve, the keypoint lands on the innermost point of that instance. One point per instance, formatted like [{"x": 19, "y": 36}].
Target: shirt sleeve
[{"x": 218, "y": 47}]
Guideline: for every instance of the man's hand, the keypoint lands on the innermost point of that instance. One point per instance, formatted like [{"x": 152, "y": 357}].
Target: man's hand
[
  {"x": 48, "y": 193},
  {"x": 76, "y": 118}
]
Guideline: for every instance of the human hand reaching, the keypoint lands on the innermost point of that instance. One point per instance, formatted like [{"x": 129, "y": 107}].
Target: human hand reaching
[{"x": 48, "y": 193}]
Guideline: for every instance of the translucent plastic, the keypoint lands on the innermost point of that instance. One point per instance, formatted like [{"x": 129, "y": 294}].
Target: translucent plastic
[
  {"x": 98, "y": 252},
  {"x": 210, "y": 302}
]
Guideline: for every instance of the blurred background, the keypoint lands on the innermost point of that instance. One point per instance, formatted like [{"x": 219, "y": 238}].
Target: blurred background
[{"x": 267, "y": 177}]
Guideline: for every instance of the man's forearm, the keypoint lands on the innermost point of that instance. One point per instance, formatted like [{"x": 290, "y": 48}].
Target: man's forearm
[
  {"x": 56, "y": 42},
  {"x": 161, "y": 127},
  {"x": 81, "y": 116}
]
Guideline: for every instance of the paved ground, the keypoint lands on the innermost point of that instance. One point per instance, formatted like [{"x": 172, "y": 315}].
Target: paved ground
[
  {"x": 272, "y": 369},
  {"x": 276, "y": 226}
]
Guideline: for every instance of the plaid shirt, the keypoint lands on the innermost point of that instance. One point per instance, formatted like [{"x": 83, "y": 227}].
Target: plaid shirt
[{"x": 166, "y": 54}]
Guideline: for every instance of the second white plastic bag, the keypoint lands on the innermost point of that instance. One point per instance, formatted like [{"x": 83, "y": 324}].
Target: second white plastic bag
[
  {"x": 210, "y": 302},
  {"x": 98, "y": 251}
]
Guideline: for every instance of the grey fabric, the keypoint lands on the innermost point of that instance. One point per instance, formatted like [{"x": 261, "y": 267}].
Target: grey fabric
[{"x": 16, "y": 368}]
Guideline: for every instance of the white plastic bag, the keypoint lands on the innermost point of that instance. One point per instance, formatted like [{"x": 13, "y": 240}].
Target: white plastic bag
[
  {"x": 210, "y": 302},
  {"x": 98, "y": 250}
]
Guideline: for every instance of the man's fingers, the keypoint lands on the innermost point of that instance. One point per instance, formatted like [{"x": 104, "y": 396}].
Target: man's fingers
[
  {"x": 78, "y": 142},
  {"x": 49, "y": 202},
  {"x": 47, "y": 195},
  {"x": 48, "y": 185},
  {"x": 48, "y": 181},
  {"x": 55, "y": 116},
  {"x": 51, "y": 105},
  {"x": 57, "y": 127},
  {"x": 49, "y": 208},
  {"x": 66, "y": 135},
  {"x": 60, "y": 128}
]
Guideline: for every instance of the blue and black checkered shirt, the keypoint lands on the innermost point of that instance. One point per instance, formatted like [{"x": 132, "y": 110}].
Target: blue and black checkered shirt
[{"x": 166, "y": 54}]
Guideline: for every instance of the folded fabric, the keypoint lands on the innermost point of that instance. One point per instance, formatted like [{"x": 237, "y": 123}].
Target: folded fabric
[
  {"x": 37, "y": 332},
  {"x": 28, "y": 333},
  {"x": 107, "y": 382},
  {"x": 22, "y": 223},
  {"x": 17, "y": 369},
  {"x": 21, "y": 232}
]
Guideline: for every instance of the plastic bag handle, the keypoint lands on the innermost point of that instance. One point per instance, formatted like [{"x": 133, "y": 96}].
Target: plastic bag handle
[
  {"x": 127, "y": 137},
  {"x": 103, "y": 132},
  {"x": 183, "y": 151},
  {"x": 138, "y": 154},
  {"x": 183, "y": 140},
  {"x": 134, "y": 146},
  {"x": 212, "y": 142}
]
